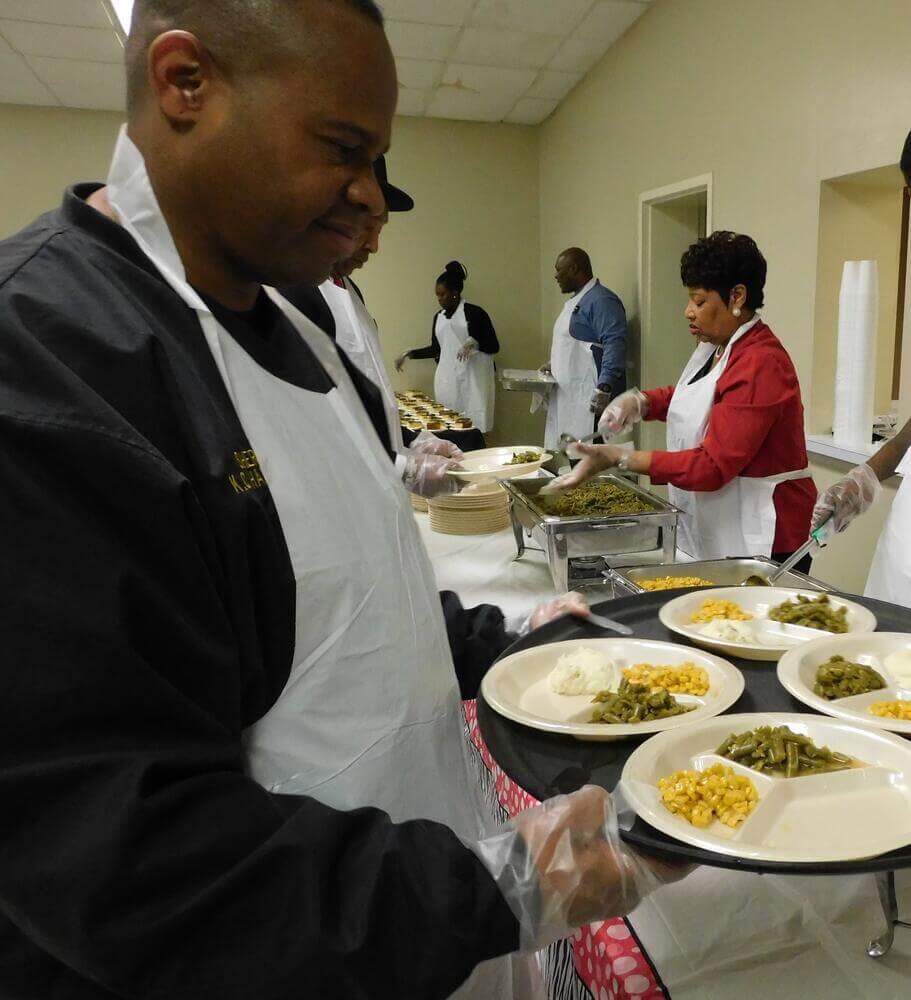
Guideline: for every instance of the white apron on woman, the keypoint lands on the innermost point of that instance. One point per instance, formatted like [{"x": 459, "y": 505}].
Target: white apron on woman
[
  {"x": 370, "y": 715},
  {"x": 739, "y": 519},
  {"x": 890, "y": 572},
  {"x": 356, "y": 335},
  {"x": 468, "y": 386},
  {"x": 573, "y": 368}
]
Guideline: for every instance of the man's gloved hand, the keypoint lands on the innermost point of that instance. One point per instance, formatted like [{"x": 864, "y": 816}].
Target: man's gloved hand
[
  {"x": 429, "y": 444},
  {"x": 562, "y": 865},
  {"x": 426, "y": 476},
  {"x": 599, "y": 401},
  {"x": 847, "y": 499},
  {"x": 572, "y": 603},
  {"x": 627, "y": 409}
]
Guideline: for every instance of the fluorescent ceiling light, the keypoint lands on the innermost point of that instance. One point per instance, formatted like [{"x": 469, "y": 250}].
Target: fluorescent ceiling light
[{"x": 124, "y": 11}]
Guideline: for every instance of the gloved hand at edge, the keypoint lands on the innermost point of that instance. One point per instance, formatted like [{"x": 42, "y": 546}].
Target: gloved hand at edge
[{"x": 847, "y": 499}]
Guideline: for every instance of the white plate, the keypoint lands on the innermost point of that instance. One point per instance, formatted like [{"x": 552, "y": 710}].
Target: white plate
[
  {"x": 842, "y": 816},
  {"x": 774, "y": 638},
  {"x": 492, "y": 463},
  {"x": 797, "y": 673},
  {"x": 517, "y": 687}
]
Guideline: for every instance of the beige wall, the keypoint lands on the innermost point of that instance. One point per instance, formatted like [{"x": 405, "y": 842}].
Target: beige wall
[
  {"x": 43, "y": 151},
  {"x": 476, "y": 192},
  {"x": 771, "y": 98}
]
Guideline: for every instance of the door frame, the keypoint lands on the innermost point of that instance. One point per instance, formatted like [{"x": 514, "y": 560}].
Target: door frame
[{"x": 648, "y": 200}]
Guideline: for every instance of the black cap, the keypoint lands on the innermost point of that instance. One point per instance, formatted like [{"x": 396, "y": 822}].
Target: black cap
[
  {"x": 906, "y": 160},
  {"x": 396, "y": 199}
]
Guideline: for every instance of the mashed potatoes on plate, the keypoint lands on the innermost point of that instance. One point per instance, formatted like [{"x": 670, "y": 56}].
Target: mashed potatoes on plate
[
  {"x": 898, "y": 664},
  {"x": 725, "y": 630},
  {"x": 584, "y": 671}
]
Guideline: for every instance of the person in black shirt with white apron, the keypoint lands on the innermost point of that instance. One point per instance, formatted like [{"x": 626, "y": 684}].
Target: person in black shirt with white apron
[{"x": 463, "y": 343}]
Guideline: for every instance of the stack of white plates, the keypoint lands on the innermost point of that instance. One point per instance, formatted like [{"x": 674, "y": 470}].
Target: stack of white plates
[{"x": 480, "y": 509}]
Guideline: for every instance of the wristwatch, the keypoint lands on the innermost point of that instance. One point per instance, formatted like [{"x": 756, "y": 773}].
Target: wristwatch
[{"x": 623, "y": 461}]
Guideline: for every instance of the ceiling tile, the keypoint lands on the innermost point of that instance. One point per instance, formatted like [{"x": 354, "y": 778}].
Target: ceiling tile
[
  {"x": 489, "y": 80},
  {"x": 511, "y": 49},
  {"x": 466, "y": 105},
  {"x": 79, "y": 84},
  {"x": 428, "y": 11},
  {"x": 552, "y": 85},
  {"x": 530, "y": 111},
  {"x": 19, "y": 85},
  {"x": 412, "y": 102},
  {"x": 547, "y": 17},
  {"x": 81, "y": 13},
  {"x": 32, "y": 38},
  {"x": 419, "y": 74},
  {"x": 420, "y": 41},
  {"x": 608, "y": 20}
]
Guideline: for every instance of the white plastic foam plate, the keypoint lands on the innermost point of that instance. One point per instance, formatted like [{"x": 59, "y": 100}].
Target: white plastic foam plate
[
  {"x": 815, "y": 819},
  {"x": 493, "y": 463},
  {"x": 797, "y": 673},
  {"x": 517, "y": 687},
  {"x": 773, "y": 638}
]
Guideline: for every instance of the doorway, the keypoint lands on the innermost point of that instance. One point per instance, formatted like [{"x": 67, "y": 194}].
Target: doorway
[{"x": 671, "y": 218}]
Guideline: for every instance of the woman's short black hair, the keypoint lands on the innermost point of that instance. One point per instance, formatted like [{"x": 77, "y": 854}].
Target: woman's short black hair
[
  {"x": 454, "y": 277},
  {"x": 720, "y": 262}
]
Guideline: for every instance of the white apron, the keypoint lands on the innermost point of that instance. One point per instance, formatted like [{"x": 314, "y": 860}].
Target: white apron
[
  {"x": 573, "y": 367},
  {"x": 739, "y": 519},
  {"x": 356, "y": 335},
  {"x": 890, "y": 572},
  {"x": 467, "y": 387},
  {"x": 370, "y": 715}
]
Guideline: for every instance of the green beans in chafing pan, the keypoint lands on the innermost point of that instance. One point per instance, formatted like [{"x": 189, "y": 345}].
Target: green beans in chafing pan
[
  {"x": 594, "y": 500},
  {"x": 636, "y": 703},
  {"x": 812, "y": 612},
  {"x": 839, "y": 678},
  {"x": 779, "y": 750}
]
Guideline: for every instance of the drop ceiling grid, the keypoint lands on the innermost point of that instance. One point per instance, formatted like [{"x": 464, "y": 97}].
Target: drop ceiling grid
[{"x": 483, "y": 60}]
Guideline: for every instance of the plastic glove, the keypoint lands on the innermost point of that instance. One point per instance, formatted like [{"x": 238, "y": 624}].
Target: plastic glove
[
  {"x": 468, "y": 348},
  {"x": 400, "y": 361},
  {"x": 595, "y": 458},
  {"x": 627, "y": 409},
  {"x": 599, "y": 401},
  {"x": 429, "y": 444},
  {"x": 562, "y": 865},
  {"x": 426, "y": 476},
  {"x": 572, "y": 603},
  {"x": 847, "y": 499}
]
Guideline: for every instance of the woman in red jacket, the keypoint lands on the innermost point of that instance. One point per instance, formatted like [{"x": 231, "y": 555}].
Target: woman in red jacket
[{"x": 737, "y": 458}]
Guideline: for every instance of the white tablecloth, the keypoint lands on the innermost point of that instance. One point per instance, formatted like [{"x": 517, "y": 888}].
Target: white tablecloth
[{"x": 718, "y": 935}]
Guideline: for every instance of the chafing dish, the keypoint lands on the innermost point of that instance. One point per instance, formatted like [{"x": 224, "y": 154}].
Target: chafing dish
[
  {"x": 527, "y": 380},
  {"x": 724, "y": 572},
  {"x": 576, "y": 546}
]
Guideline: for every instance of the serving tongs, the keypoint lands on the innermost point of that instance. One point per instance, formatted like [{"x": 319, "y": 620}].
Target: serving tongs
[{"x": 560, "y": 457}]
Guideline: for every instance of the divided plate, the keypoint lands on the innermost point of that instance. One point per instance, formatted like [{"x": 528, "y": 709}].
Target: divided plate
[
  {"x": 517, "y": 687},
  {"x": 774, "y": 638},
  {"x": 492, "y": 463},
  {"x": 797, "y": 673},
  {"x": 816, "y": 819}
]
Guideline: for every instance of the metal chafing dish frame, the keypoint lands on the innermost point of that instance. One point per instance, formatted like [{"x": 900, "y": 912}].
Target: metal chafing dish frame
[
  {"x": 732, "y": 570},
  {"x": 566, "y": 538}
]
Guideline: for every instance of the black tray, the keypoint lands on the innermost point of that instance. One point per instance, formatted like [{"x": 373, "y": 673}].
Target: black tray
[{"x": 546, "y": 764}]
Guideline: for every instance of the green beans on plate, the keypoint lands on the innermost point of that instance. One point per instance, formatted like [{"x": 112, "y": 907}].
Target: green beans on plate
[
  {"x": 524, "y": 457},
  {"x": 633, "y": 703},
  {"x": 780, "y": 751},
  {"x": 839, "y": 678},
  {"x": 812, "y": 612}
]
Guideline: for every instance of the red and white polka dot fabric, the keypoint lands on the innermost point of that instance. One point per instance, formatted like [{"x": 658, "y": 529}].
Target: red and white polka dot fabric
[{"x": 607, "y": 957}]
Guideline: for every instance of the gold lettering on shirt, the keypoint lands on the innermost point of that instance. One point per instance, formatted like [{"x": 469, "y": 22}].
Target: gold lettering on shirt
[{"x": 249, "y": 476}]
